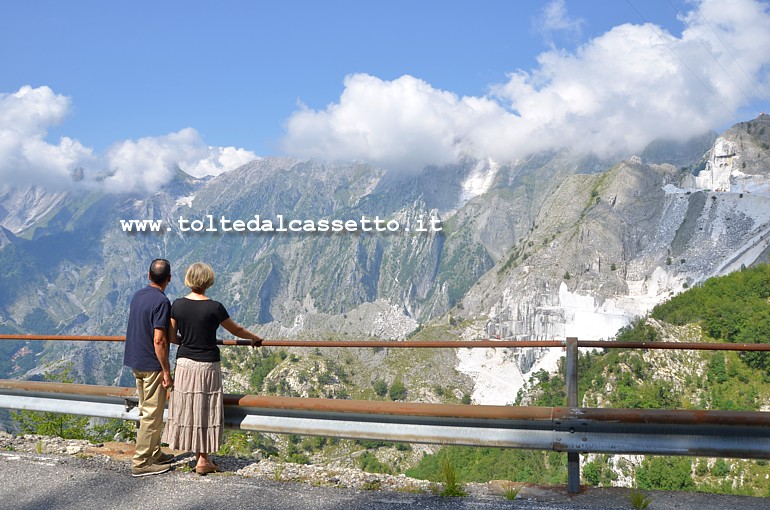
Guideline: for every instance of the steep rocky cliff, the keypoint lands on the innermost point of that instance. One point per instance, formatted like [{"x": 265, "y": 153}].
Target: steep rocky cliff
[{"x": 606, "y": 247}]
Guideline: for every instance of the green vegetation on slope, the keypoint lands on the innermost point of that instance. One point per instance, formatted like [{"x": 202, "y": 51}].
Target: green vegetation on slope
[
  {"x": 484, "y": 464},
  {"x": 733, "y": 308},
  {"x": 70, "y": 426}
]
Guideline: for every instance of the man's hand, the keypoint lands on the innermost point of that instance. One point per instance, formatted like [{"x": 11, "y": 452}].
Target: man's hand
[
  {"x": 256, "y": 341},
  {"x": 167, "y": 382}
]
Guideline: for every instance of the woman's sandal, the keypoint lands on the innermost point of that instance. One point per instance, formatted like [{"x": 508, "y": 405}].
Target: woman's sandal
[{"x": 204, "y": 470}]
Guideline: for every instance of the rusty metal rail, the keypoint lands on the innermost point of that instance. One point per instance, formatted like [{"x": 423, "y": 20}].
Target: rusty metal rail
[
  {"x": 569, "y": 429},
  {"x": 321, "y": 343},
  {"x": 435, "y": 344}
]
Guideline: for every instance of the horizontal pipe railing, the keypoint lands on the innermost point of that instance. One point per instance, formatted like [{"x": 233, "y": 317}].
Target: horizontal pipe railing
[
  {"x": 455, "y": 344},
  {"x": 319, "y": 343}
]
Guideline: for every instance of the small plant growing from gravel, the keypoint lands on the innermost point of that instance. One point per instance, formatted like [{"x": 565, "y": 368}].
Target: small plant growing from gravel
[
  {"x": 185, "y": 468},
  {"x": 638, "y": 499},
  {"x": 278, "y": 473},
  {"x": 372, "y": 485},
  {"x": 39, "y": 447},
  {"x": 511, "y": 491},
  {"x": 412, "y": 489},
  {"x": 452, "y": 487}
]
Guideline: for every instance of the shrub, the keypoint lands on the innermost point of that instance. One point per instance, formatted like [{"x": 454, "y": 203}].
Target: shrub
[
  {"x": 368, "y": 462},
  {"x": 665, "y": 473},
  {"x": 720, "y": 468},
  {"x": 397, "y": 390},
  {"x": 380, "y": 388},
  {"x": 591, "y": 473}
]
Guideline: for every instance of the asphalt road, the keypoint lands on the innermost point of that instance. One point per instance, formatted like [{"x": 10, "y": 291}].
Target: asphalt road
[
  {"x": 29, "y": 481},
  {"x": 32, "y": 481}
]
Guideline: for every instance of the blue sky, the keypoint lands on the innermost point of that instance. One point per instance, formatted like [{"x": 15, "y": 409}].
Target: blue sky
[{"x": 131, "y": 89}]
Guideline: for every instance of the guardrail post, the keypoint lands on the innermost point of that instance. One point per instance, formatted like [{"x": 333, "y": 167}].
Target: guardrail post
[{"x": 573, "y": 458}]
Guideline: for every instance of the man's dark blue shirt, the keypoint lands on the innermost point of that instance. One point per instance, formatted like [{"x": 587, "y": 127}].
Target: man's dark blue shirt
[{"x": 150, "y": 309}]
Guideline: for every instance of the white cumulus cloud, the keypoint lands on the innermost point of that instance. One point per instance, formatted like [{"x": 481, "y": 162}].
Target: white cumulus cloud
[
  {"x": 147, "y": 163},
  {"x": 142, "y": 165},
  {"x": 218, "y": 160},
  {"x": 25, "y": 156},
  {"x": 611, "y": 96},
  {"x": 397, "y": 124}
]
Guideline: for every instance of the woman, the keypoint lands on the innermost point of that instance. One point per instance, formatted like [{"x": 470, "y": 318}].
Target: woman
[{"x": 195, "y": 408}]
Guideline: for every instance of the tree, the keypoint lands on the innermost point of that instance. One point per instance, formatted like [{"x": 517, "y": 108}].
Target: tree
[{"x": 756, "y": 330}]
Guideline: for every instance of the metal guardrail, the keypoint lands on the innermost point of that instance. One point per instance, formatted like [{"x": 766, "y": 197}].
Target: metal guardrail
[
  {"x": 568, "y": 429},
  {"x": 561, "y": 429}
]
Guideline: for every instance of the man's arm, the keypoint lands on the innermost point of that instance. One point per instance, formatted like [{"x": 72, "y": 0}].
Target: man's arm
[{"x": 160, "y": 340}]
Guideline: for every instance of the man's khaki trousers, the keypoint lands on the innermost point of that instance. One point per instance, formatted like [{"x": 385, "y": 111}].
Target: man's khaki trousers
[{"x": 152, "y": 401}]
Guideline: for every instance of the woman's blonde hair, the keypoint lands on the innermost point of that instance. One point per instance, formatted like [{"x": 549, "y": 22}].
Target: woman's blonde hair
[{"x": 199, "y": 277}]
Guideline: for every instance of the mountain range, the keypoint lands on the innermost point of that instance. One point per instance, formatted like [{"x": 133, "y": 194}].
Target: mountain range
[{"x": 559, "y": 244}]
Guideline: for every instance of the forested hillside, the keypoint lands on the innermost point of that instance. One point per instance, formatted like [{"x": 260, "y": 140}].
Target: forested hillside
[{"x": 733, "y": 308}]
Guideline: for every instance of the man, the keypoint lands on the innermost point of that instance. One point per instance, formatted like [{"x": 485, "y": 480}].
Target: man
[{"x": 147, "y": 347}]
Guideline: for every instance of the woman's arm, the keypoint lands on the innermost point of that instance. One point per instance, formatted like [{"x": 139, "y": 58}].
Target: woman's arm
[
  {"x": 172, "y": 333},
  {"x": 241, "y": 332}
]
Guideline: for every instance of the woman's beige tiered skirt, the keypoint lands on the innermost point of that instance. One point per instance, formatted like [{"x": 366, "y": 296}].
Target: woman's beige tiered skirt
[{"x": 195, "y": 407}]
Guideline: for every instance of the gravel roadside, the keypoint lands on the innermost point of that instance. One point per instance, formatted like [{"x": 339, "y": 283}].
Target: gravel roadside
[{"x": 44, "y": 472}]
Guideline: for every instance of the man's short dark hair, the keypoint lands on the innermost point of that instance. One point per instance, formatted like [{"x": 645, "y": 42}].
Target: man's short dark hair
[{"x": 160, "y": 270}]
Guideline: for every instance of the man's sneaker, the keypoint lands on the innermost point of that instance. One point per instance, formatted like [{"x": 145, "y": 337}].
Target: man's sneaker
[
  {"x": 164, "y": 458},
  {"x": 152, "y": 469}
]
